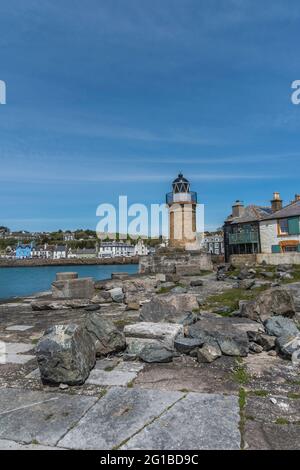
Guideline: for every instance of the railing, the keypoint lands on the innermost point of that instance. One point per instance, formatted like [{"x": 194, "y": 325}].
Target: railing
[
  {"x": 178, "y": 198},
  {"x": 243, "y": 237}
]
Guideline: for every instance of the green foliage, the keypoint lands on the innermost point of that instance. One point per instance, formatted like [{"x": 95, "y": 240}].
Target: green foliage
[
  {"x": 240, "y": 374},
  {"x": 281, "y": 421},
  {"x": 231, "y": 298}
]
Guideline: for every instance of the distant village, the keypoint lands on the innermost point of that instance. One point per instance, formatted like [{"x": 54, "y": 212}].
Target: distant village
[
  {"x": 249, "y": 230},
  {"x": 83, "y": 244}
]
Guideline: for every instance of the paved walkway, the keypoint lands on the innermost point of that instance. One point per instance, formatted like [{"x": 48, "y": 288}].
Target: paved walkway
[{"x": 125, "y": 418}]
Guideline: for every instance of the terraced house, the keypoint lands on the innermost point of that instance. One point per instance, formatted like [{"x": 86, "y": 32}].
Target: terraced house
[
  {"x": 257, "y": 229},
  {"x": 280, "y": 232}
]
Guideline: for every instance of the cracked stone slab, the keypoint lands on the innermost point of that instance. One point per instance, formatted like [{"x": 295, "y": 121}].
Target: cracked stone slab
[
  {"x": 198, "y": 421},
  {"x": 19, "y": 328},
  {"x": 16, "y": 348},
  {"x": 117, "y": 416},
  {"x": 15, "y": 358},
  {"x": 27, "y": 416},
  {"x": 12, "y": 445},
  {"x": 270, "y": 436},
  {"x": 110, "y": 378}
]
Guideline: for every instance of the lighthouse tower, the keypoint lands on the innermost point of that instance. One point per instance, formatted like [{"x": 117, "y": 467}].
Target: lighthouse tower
[{"x": 182, "y": 215}]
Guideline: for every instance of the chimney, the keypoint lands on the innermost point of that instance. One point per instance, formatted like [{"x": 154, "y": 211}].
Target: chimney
[
  {"x": 276, "y": 202},
  {"x": 297, "y": 197},
  {"x": 237, "y": 209}
]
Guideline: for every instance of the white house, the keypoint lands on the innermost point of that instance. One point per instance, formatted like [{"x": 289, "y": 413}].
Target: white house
[
  {"x": 280, "y": 231},
  {"x": 141, "y": 249},
  {"x": 214, "y": 244},
  {"x": 59, "y": 252},
  {"x": 69, "y": 236},
  {"x": 114, "y": 248},
  {"x": 43, "y": 251}
]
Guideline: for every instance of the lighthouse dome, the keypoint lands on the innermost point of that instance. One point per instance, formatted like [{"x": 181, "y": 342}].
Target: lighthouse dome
[{"x": 181, "y": 184}]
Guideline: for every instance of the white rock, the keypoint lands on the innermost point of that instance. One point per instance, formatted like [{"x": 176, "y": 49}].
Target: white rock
[{"x": 141, "y": 334}]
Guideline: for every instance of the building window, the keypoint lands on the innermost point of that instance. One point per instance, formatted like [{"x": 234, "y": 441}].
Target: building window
[
  {"x": 283, "y": 226},
  {"x": 289, "y": 248}
]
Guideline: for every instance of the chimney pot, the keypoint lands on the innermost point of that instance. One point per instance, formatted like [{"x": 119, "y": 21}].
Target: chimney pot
[
  {"x": 237, "y": 208},
  {"x": 276, "y": 202},
  {"x": 297, "y": 197}
]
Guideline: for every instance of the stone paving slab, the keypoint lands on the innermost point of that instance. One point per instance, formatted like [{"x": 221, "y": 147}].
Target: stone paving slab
[
  {"x": 27, "y": 416},
  {"x": 19, "y": 328},
  {"x": 111, "y": 378},
  {"x": 266, "y": 436},
  {"x": 267, "y": 411},
  {"x": 198, "y": 421},
  {"x": 17, "y": 348},
  {"x": 15, "y": 358},
  {"x": 12, "y": 445},
  {"x": 117, "y": 416}
]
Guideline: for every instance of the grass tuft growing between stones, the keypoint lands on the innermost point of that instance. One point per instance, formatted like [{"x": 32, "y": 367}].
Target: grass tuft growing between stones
[
  {"x": 260, "y": 393},
  {"x": 282, "y": 421},
  {"x": 231, "y": 298},
  {"x": 294, "y": 396},
  {"x": 240, "y": 374},
  {"x": 242, "y": 404}
]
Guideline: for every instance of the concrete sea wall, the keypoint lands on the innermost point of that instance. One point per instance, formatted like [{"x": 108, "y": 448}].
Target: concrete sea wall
[{"x": 15, "y": 263}]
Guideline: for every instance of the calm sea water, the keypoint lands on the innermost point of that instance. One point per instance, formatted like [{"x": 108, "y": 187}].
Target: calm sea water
[{"x": 18, "y": 282}]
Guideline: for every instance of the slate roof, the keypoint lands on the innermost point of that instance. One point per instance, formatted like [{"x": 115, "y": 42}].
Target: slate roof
[
  {"x": 291, "y": 210},
  {"x": 251, "y": 213}
]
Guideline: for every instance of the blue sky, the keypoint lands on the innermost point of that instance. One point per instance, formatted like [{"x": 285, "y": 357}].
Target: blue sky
[{"x": 107, "y": 97}]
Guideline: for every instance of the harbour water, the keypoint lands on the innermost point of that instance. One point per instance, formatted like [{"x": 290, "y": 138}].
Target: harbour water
[{"x": 18, "y": 282}]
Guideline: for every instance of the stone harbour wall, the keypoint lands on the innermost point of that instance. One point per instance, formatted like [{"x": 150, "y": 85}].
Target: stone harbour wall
[
  {"x": 168, "y": 263},
  {"x": 14, "y": 263},
  {"x": 272, "y": 259}
]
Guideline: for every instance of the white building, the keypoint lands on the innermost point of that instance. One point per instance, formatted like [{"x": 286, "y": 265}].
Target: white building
[
  {"x": 214, "y": 244},
  {"x": 43, "y": 251},
  {"x": 116, "y": 248},
  {"x": 69, "y": 236},
  {"x": 280, "y": 232},
  {"x": 141, "y": 249},
  {"x": 59, "y": 252}
]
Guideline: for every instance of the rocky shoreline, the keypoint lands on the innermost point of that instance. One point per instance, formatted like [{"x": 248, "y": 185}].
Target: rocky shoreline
[{"x": 223, "y": 344}]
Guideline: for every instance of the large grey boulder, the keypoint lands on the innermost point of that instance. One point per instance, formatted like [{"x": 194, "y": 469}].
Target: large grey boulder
[
  {"x": 275, "y": 301},
  {"x": 266, "y": 341},
  {"x": 230, "y": 334},
  {"x": 288, "y": 345},
  {"x": 65, "y": 354},
  {"x": 40, "y": 305},
  {"x": 279, "y": 325},
  {"x": 209, "y": 353},
  {"x": 105, "y": 336},
  {"x": 170, "y": 308},
  {"x": 117, "y": 294},
  {"x": 156, "y": 353},
  {"x": 142, "y": 334},
  {"x": 186, "y": 345}
]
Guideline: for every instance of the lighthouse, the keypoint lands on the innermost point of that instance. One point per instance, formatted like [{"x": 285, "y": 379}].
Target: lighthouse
[{"x": 182, "y": 205}]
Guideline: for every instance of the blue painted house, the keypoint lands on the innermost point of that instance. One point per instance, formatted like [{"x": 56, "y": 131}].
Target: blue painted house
[{"x": 24, "y": 250}]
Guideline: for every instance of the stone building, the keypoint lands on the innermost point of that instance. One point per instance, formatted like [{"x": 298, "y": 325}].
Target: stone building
[
  {"x": 280, "y": 232},
  {"x": 263, "y": 230}
]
